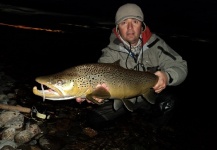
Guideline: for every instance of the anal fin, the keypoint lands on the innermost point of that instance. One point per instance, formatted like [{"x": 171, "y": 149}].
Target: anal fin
[{"x": 128, "y": 104}]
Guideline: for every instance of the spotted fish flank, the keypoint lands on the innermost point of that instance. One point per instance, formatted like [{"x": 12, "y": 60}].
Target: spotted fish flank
[{"x": 84, "y": 80}]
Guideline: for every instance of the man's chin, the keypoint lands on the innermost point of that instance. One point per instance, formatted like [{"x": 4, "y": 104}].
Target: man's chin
[{"x": 132, "y": 42}]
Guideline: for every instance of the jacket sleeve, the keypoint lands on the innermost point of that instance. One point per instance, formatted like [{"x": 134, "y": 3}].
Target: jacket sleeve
[
  {"x": 108, "y": 56},
  {"x": 172, "y": 63}
]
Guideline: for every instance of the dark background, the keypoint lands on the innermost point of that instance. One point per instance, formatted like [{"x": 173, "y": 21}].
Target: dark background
[{"x": 188, "y": 26}]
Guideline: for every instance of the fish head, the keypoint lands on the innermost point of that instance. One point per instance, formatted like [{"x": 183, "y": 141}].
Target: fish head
[{"x": 56, "y": 87}]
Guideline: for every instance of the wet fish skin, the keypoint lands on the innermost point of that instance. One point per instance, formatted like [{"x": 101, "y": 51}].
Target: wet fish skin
[{"x": 83, "y": 80}]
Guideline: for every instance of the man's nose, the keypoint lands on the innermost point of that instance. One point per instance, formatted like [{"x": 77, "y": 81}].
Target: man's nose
[{"x": 129, "y": 25}]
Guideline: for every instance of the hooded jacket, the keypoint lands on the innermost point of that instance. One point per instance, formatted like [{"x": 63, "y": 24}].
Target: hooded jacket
[{"x": 152, "y": 54}]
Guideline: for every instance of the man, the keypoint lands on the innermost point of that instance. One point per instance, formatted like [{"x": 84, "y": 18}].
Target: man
[{"x": 132, "y": 43}]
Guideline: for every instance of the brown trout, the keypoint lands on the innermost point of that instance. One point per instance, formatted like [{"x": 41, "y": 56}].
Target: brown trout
[{"x": 84, "y": 81}]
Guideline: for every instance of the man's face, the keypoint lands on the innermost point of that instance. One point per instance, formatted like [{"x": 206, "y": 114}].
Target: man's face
[{"x": 130, "y": 30}]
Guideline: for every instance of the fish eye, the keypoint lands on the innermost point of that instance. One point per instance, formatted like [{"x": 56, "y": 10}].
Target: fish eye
[{"x": 60, "y": 82}]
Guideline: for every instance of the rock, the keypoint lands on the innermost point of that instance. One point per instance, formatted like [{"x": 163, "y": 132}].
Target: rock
[
  {"x": 7, "y": 147},
  {"x": 90, "y": 132},
  {"x": 16, "y": 122},
  {"x": 8, "y": 134},
  {"x": 7, "y": 116},
  {"x": 33, "y": 129},
  {"x": 23, "y": 137},
  {"x": 3, "y": 98},
  {"x": 7, "y": 142}
]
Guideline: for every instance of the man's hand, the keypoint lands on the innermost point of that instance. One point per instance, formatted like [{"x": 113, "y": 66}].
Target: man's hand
[
  {"x": 162, "y": 81},
  {"x": 80, "y": 100}
]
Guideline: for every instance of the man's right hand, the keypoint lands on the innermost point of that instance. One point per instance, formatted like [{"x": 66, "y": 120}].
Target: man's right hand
[{"x": 80, "y": 100}]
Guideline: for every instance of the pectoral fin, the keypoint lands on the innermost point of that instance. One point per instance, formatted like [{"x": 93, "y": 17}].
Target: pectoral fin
[
  {"x": 100, "y": 93},
  {"x": 150, "y": 96}
]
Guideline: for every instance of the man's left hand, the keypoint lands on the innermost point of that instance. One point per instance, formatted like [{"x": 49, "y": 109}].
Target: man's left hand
[{"x": 162, "y": 81}]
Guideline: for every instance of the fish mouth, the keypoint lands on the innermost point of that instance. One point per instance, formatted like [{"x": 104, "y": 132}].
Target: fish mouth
[{"x": 48, "y": 92}]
